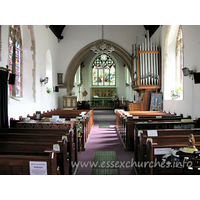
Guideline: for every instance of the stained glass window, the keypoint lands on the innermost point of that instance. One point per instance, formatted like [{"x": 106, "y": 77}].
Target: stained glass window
[
  {"x": 15, "y": 66},
  {"x": 103, "y": 71}
]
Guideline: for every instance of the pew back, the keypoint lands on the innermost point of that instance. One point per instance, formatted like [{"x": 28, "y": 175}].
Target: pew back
[
  {"x": 50, "y": 136},
  {"x": 148, "y": 120},
  {"x": 131, "y": 135},
  {"x": 165, "y": 137},
  {"x": 158, "y": 167},
  {"x": 20, "y": 164}
]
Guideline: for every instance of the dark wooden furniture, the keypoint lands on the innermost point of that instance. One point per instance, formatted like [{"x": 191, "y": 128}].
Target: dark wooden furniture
[
  {"x": 147, "y": 120},
  {"x": 19, "y": 164},
  {"x": 38, "y": 148},
  {"x": 68, "y": 153},
  {"x": 165, "y": 136},
  {"x": 86, "y": 121},
  {"x": 151, "y": 157}
]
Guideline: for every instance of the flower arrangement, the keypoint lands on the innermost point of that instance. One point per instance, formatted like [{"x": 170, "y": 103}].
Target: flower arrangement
[
  {"x": 49, "y": 90},
  {"x": 79, "y": 127},
  {"x": 176, "y": 93},
  {"x": 115, "y": 97}
]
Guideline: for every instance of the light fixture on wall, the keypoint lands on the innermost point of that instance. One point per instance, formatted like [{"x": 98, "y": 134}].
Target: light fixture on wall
[
  {"x": 187, "y": 72},
  {"x": 44, "y": 81},
  {"x": 192, "y": 73},
  {"x": 56, "y": 89},
  {"x": 102, "y": 48}
]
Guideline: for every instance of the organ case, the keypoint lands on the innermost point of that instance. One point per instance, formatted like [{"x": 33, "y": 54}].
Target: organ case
[{"x": 146, "y": 72}]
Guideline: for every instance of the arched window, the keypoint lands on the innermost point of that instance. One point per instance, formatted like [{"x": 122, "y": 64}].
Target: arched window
[
  {"x": 173, "y": 63},
  {"x": 15, "y": 60},
  {"x": 103, "y": 71},
  {"x": 179, "y": 63}
]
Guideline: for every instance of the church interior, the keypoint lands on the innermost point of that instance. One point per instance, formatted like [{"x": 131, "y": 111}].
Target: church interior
[{"x": 123, "y": 95}]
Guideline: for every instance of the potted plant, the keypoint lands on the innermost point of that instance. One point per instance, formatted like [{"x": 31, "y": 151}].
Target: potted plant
[
  {"x": 176, "y": 93},
  {"x": 79, "y": 127},
  {"x": 49, "y": 90}
]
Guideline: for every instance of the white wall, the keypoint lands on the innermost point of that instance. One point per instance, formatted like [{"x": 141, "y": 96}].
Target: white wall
[
  {"x": 128, "y": 89},
  {"x": 4, "y": 46},
  {"x": 77, "y": 37},
  {"x": 44, "y": 41},
  {"x": 190, "y": 103}
]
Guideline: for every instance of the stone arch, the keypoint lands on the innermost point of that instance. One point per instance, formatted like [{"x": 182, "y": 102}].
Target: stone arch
[{"x": 84, "y": 53}]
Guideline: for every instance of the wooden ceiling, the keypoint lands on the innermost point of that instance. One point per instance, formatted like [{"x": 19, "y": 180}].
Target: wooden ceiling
[{"x": 58, "y": 29}]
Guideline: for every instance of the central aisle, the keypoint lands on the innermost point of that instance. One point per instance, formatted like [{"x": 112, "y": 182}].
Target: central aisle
[{"x": 104, "y": 139}]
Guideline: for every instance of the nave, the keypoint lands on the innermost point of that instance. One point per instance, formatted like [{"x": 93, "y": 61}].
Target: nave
[{"x": 105, "y": 139}]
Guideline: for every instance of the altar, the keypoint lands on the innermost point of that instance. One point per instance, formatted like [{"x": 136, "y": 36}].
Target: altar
[{"x": 102, "y": 97}]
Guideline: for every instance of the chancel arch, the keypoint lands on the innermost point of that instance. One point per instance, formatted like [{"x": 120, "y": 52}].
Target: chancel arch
[{"x": 84, "y": 53}]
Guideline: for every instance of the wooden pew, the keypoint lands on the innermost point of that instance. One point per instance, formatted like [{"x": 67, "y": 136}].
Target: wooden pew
[
  {"x": 35, "y": 148},
  {"x": 52, "y": 133},
  {"x": 162, "y": 124},
  {"x": 135, "y": 116},
  {"x": 19, "y": 164},
  {"x": 138, "y": 138},
  {"x": 67, "y": 114},
  {"x": 146, "y": 119},
  {"x": 162, "y": 142},
  {"x": 86, "y": 121},
  {"x": 42, "y": 135},
  {"x": 141, "y": 152},
  {"x": 122, "y": 117}
]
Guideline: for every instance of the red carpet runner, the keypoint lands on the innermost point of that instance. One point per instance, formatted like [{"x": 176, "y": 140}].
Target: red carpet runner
[{"x": 105, "y": 139}]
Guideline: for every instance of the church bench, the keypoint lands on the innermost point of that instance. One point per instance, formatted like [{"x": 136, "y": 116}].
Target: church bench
[
  {"x": 42, "y": 135},
  {"x": 86, "y": 121},
  {"x": 169, "y": 138},
  {"x": 124, "y": 121},
  {"x": 154, "y": 159},
  {"x": 162, "y": 124},
  {"x": 67, "y": 114},
  {"x": 19, "y": 164},
  {"x": 122, "y": 116},
  {"x": 140, "y": 134},
  {"x": 14, "y": 146},
  {"x": 67, "y": 125},
  {"x": 47, "y": 126},
  {"x": 52, "y": 134},
  {"x": 125, "y": 125},
  {"x": 160, "y": 169}
]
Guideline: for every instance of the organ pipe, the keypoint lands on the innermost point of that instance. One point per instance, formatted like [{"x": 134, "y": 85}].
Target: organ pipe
[{"x": 147, "y": 66}]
